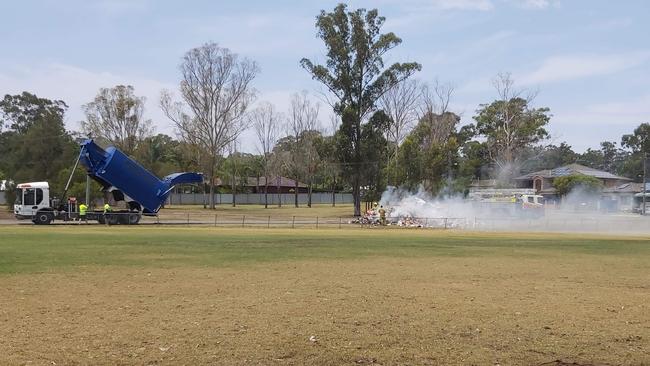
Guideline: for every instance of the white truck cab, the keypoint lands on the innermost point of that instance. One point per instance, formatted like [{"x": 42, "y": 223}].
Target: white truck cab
[{"x": 32, "y": 198}]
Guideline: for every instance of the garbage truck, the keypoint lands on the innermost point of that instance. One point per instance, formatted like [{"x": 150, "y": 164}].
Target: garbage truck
[{"x": 119, "y": 176}]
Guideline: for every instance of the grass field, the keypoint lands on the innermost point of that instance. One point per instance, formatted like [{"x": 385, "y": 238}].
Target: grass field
[{"x": 160, "y": 295}]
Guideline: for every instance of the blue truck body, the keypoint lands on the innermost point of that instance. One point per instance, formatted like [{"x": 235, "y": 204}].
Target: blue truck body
[{"x": 115, "y": 171}]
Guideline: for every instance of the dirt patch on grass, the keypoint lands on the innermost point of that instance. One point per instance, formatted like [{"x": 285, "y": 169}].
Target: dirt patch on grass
[{"x": 581, "y": 310}]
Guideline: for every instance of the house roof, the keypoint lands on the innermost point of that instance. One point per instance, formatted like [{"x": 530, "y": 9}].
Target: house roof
[{"x": 569, "y": 170}]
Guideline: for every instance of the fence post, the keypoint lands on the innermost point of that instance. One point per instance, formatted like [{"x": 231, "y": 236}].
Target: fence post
[
  {"x": 268, "y": 222},
  {"x": 316, "y": 222},
  {"x": 293, "y": 222},
  {"x": 215, "y": 220},
  {"x": 445, "y": 223},
  {"x": 243, "y": 220},
  {"x": 340, "y": 219},
  {"x": 188, "y": 219},
  {"x": 426, "y": 222}
]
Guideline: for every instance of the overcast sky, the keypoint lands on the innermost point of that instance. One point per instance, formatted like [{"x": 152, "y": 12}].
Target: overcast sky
[{"x": 589, "y": 59}]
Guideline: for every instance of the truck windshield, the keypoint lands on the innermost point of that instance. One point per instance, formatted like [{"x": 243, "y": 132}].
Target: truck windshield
[{"x": 19, "y": 196}]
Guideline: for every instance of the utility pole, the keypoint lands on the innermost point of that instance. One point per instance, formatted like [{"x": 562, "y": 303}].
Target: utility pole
[{"x": 87, "y": 191}]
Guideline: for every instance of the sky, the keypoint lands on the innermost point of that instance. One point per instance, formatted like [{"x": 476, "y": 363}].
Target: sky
[{"x": 588, "y": 60}]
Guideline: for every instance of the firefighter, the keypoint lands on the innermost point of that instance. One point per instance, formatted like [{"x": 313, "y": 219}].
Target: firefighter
[
  {"x": 382, "y": 216},
  {"x": 107, "y": 208},
  {"x": 82, "y": 211}
]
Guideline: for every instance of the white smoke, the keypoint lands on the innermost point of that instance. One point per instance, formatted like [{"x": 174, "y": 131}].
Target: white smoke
[
  {"x": 579, "y": 212},
  {"x": 402, "y": 203}
]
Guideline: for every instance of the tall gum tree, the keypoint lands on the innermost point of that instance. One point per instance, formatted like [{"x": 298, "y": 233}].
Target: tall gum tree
[
  {"x": 116, "y": 116},
  {"x": 356, "y": 76},
  {"x": 216, "y": 87}
]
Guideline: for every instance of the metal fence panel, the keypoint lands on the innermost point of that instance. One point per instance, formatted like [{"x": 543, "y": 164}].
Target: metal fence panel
[{"x": 255, "y": 198}]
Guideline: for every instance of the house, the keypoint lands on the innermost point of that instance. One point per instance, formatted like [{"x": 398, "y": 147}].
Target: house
[
  {"x": 617, "y": 193},
  {"x": 626, "y": 197}
]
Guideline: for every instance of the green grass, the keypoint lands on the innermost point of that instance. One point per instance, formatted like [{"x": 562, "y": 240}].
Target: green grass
[{"x": 29, "y": 249}]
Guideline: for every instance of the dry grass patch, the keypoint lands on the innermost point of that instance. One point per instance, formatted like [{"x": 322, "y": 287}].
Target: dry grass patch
[{"x": 435, "y": 310}]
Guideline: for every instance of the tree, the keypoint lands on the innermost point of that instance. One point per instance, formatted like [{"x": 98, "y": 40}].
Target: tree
[
  {"x": 374, "y": 147},
  {"x": 548, "y": 157},
  {"x": 36, "y": 146},
  {"x": 19, "y": 112},
  {"x": 158, "y": 154},
  {"x": 638, "y": 145},
  {"x": 429, "y": 156},
  {"x": 639, "y": 141},
  {"x": 266, "y": 123},
  {"x": 302, "y": 120},
  {"x": 329, "y": 169},
  {"x": 564, "y": 185},
  {"x": 510, "y": 125},
  {"x": 216, "y": 86},
  {"x": 116, "y": 116},
  {"x": 400, "y": 103},
  {"x": 356, "y": 76}
]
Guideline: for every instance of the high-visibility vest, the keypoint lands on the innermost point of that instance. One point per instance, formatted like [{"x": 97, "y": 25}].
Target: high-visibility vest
[
  {"x": 107, "y": 208},
  {"x": 82, "y": 209}
]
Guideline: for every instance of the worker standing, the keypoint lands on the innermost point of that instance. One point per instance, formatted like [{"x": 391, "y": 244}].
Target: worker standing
[
  {"x": 82, "y": 212},
  {"x": 107, "y": 209},
  {"x": 382, "y": 216}
]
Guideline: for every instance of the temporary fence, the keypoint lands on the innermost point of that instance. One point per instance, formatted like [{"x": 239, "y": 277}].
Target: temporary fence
[{"x": 629, "y": 224}]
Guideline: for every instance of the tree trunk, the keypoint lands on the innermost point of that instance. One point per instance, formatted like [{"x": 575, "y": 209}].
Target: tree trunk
[
  {"x": 277, "y": 180},
  {"x": 211, "y": 198},
  {"x": 356, "y": 192},
  {"x": 334, "y": 192},
  {"x": 309, "y": 194},
  {"x": 266, "y": 192},
  {"x": 295, "y": 193},
  {"x": 234, "y": 191}
]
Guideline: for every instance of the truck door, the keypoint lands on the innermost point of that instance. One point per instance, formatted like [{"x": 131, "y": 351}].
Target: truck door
[{"x": 32, "y": 201}]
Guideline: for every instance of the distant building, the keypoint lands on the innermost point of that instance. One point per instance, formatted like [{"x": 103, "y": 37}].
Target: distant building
[
  {"x": 617, "y": 194},
  {"x": 3, "y": 188}
]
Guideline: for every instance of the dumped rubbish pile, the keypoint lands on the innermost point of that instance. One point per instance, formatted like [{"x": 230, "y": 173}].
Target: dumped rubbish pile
[{"x": 409, "y": 222}]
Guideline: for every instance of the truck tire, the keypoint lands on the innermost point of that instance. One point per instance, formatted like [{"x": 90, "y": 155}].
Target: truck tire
[
  {"x": 111, "y": 219},
  {"x": 134, "y": 218},
  {"x": 43, "y": 218}
]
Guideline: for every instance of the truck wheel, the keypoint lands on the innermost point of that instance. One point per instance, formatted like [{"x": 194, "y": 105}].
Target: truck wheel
[
  {"x": 112, "y": 219},
  {"x": 134, "y": 218},
  {"x": 43, "y": 218}
]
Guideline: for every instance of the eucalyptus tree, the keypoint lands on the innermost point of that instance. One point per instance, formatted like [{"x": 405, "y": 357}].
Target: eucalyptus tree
[
  {"x": 116, "y": 116},
  {"x": 266, "y": 122},
  {"x": 216, "y": 87},
  {"x": 356, "y": 77}
]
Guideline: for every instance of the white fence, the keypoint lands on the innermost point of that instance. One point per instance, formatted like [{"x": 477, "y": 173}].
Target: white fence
[{"x": 256, "y": 198}]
